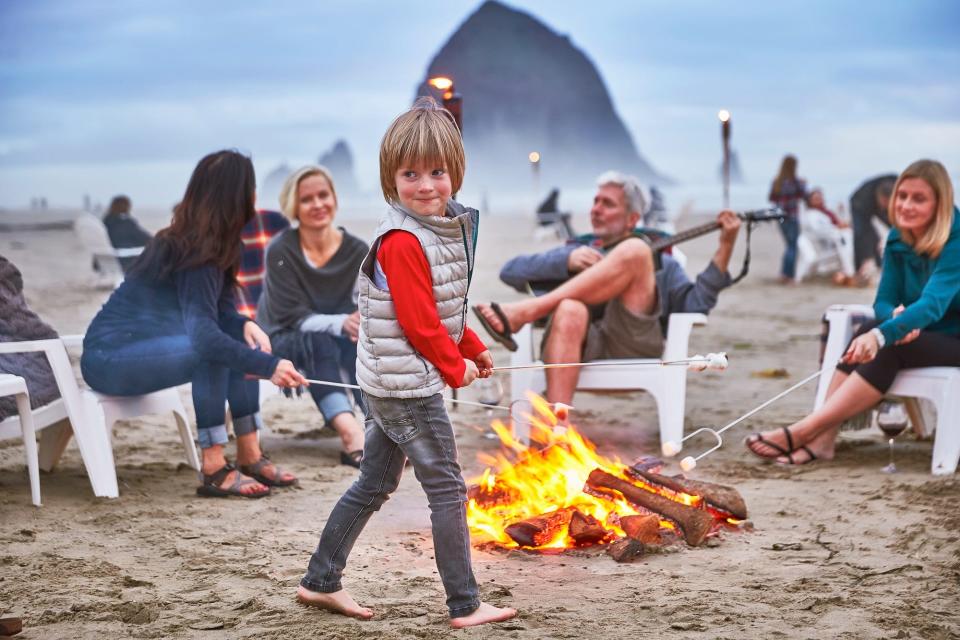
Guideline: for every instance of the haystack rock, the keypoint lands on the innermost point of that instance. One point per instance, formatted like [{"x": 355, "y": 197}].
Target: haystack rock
[
  {"x": 268, "y": 191},
  {"x": 526, "y": 88},
  {"x": 339, "y": 160}
]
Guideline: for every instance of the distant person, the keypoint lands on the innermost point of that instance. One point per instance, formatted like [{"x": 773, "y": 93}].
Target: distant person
[
  {"x": 917, "y": 322},
  {"x": 174, "y": 321},
  {"x": 869, "y": 202},
  {"x": 787, "y": 192},
  {"x": 309, "y": 305},
  {"x": 257, "y": 234},
  {"x": 614, "y": 296},
  {"x": 830, "y": 236},
  {"x": 413, "y": 342},
  {"x": 124, "y": 231}
]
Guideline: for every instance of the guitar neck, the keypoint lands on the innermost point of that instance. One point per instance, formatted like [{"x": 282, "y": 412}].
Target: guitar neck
[{"x": 688, "y": 234}]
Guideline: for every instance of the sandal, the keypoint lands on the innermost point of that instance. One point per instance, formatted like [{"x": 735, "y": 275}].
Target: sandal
[
  {"x": 255, "y": 471},
  {"x": 780, "y": 451},
  {"x": 794, "y": 463},
  {"x": 351, "y": 458},
  {"x": 504, "y": 337},
  {"x": 211, "y": 485}
]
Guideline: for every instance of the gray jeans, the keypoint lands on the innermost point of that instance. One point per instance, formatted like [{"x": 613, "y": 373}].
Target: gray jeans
[{"x": 397, "y": 429}]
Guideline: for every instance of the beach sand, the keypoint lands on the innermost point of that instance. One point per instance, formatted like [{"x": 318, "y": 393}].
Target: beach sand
[{"x": 838, "y": 549}]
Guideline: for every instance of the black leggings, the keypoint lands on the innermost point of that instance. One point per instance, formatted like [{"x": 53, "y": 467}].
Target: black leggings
[{"x": 930, "y": 349}]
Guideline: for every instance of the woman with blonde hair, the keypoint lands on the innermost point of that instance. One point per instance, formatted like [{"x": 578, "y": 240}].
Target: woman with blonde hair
[
  {"x": 917, "y": 310},
  {"x": 309, "y": 305}
]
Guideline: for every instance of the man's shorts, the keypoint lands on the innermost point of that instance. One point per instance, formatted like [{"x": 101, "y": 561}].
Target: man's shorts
[{"x": 622, "y": 334}]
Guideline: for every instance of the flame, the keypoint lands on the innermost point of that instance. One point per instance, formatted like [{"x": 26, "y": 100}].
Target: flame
[{"x": 522, "y": 482}]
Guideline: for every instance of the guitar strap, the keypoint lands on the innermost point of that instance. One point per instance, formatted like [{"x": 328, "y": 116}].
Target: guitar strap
[{"x": 746, "y": 255}]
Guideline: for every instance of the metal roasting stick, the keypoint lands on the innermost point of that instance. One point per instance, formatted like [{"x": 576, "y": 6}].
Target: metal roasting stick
[
  {"x": 623, "y": 363},
  {"x": 671, "y": 448},
  {"x": 343, "y": 385}
]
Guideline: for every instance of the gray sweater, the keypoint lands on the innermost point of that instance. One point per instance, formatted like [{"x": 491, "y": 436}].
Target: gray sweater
[{"x": 295, "y": 293}]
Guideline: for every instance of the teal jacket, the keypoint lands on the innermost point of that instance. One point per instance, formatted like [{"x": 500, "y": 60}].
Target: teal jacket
[{"x": 928, "y": 288}]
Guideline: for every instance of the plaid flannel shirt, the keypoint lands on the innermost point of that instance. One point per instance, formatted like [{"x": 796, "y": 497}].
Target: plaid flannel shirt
[{"x": 256, "y": 236}]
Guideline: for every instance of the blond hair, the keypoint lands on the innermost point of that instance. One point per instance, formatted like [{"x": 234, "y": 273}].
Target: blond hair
[
  {"x": 936, "y": 234},
  {"x": 289, "y": 202},
  {"x": 426, "y": 133}
]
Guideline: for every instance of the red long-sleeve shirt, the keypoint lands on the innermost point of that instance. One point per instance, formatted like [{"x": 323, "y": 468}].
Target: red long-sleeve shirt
[{"x": 408, "y": 275}]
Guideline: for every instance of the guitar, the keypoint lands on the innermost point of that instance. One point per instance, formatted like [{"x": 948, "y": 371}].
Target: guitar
[{"x": 660, "y": 240}]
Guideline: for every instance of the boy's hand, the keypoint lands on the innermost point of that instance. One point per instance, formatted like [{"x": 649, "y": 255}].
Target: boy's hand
[
  {"x": 469, "y": 374},
  {"x": 485, "y": 364}
]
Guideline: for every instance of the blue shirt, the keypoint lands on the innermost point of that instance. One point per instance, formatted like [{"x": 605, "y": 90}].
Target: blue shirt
[{"x": 195, "y": 302}]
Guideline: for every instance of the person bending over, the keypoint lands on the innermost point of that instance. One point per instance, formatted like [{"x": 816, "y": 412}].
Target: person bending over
[
  {"x": 614, "y": 302},
  {"x": 917, "y": 311},
  {"x": 413, "y": 341},
  {"x": 308, "y": 305},
  {"x": 174, "y": 321}
]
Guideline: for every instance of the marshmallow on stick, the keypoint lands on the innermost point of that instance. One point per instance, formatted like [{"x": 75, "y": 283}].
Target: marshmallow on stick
[{"x": 714, "y": 361}]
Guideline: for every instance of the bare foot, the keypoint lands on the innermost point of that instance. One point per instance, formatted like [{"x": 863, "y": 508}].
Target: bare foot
[
  {"x": 485, "y": 613},
  {"x": 338, "y": 602}
]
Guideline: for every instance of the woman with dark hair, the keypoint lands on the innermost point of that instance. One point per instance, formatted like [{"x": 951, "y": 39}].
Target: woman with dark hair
[
  {"x": 917, "y": 312},
  {"x": 173, "y": 321},
  {"x": 787, "y": 192},
  {"x": 309, "y": 304}
]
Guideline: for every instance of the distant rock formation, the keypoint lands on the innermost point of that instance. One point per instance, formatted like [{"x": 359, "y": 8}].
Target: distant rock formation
[
  {"x": 526, "y": 88},
  {"x": 339, "y": 160},
  {"x": 268, "y": 191}
]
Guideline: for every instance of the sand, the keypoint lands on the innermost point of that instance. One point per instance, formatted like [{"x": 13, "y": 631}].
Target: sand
[{"x": 838, "y": 550}]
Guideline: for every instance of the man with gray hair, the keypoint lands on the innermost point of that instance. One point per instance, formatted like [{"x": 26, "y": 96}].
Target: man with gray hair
[{"x": 614, "y": 295}]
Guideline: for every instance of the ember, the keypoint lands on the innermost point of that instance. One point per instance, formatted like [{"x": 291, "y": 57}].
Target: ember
[{"x": 558, "y": 493}]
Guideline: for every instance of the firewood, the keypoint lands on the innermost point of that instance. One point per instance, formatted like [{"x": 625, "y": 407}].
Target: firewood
[
  {"x": 694, "y": 523},
  {"x": 498, "y": 494},
  {"x": 539, "y": 530},
  {"x": 626, "y": 550},
  {"x": 585, "y": 529},
  {"x": 719, "y": 496},
  {"x": 645, "y": 529},
  {"x": 10, "y": 626}
]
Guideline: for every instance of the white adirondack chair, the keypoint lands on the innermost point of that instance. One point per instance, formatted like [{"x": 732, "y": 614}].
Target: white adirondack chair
[
  {"x": 822, "y": 248},
  {"x": 939, "y": 385},
  {"x": 89, "y": 416},
  {"x": 668, "y": 385},
  {"x": 94, "y": 237}
]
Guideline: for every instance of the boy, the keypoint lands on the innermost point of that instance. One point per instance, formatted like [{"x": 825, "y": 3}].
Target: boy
[{"x": 413, "y": 339}]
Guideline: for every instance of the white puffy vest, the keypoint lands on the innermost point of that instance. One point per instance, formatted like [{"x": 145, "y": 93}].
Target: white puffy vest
[{"x": 387, "y": 364}]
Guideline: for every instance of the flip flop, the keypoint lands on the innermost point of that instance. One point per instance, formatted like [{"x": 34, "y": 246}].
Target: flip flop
[
  {"x": 255, "y": 471},
  {"x": 757, "y": 437},
  {"x": 793, "y": 462},
  {"x": 504, "y": 337},
  {"x": 211, "y": 485}
]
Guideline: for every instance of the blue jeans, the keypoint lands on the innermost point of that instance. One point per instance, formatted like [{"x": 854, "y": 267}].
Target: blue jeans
[
  {"x": 397, "y": 429},
  {"x": 790, "y": 228},
  {"x": 320, "y": 356},
  {"x": 159, "y": 363}
]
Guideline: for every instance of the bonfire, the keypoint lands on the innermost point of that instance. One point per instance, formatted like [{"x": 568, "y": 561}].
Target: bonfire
[{"x": 559, "y": 493}]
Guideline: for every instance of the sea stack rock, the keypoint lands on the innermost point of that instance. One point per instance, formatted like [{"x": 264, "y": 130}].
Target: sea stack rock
[
  {"x": 339, "y": 160},
  {"x": 526, "y": 88}
]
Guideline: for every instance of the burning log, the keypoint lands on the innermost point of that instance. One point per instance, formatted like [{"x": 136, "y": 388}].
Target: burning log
[
  {"x": 645, "y": 529},
  {"x": 585, "y": 529},
  {"x": 491, "y": 496},
  {"x": 720, "y": 496},
  {"x": 694, "y": 523},
  {"x": 539, "y": 530}
]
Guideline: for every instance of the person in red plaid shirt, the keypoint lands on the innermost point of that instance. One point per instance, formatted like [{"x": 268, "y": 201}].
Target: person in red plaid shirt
[{"x": 257, "y": 234}]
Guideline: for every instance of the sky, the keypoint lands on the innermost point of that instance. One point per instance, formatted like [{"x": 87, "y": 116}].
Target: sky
[{"x": 101, "y": 97}]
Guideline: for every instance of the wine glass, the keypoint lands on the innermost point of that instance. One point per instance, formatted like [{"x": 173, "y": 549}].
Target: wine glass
[
  {"x": 489, "y": 392},
  {"x": 892, "y": 420}
]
